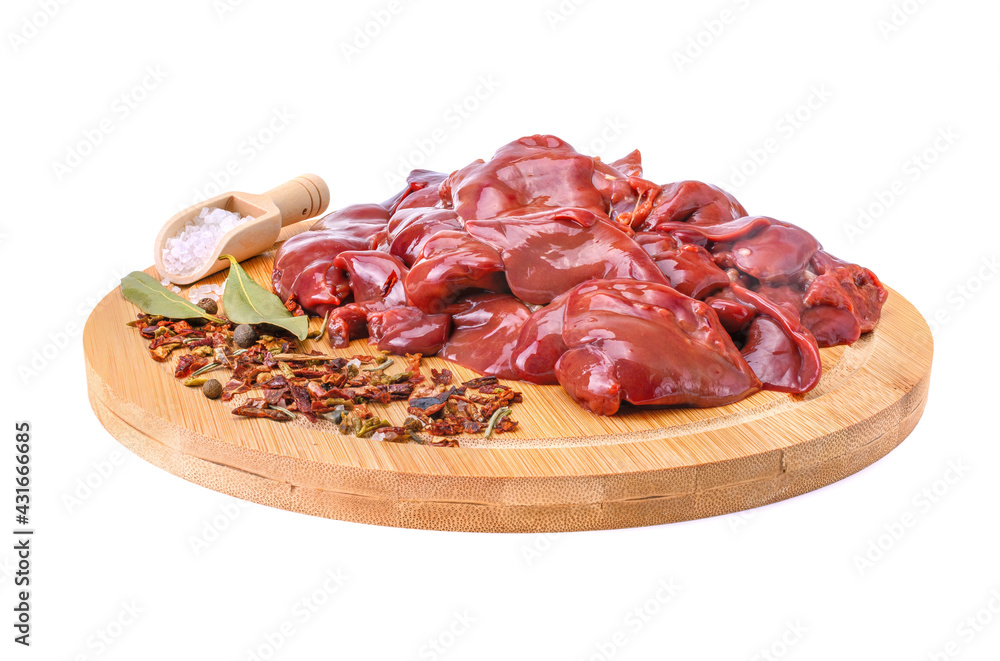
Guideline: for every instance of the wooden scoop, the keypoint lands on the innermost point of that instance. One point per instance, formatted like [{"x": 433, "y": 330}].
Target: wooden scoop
[{"x": 301, "y": 198}]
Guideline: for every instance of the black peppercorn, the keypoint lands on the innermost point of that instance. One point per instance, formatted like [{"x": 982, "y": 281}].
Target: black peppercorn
[
  {"x": 209, "y": 305},
  {"x": 244, "y": 336},
  {"x": 212, "y": 389}
]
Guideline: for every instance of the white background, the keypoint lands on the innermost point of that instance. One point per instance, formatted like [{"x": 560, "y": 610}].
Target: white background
[{"x": 608, "y": 77}]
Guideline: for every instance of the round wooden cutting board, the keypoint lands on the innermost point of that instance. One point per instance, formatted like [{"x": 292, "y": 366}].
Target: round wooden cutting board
[{"x": 563, "y": 469}]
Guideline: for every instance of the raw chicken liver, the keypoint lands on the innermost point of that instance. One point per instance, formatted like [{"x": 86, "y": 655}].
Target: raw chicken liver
[{"x": 551, "y": 266}]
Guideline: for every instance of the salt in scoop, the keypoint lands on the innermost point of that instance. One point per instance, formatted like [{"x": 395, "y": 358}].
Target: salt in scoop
[{"x": 301, "y": 198}]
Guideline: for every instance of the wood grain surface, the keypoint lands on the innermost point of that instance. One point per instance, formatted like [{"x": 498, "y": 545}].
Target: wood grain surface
[{"x": 563, "y": 469}]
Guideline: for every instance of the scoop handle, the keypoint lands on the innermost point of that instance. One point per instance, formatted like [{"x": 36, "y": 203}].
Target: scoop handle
[{"x": 303, "y": 197}]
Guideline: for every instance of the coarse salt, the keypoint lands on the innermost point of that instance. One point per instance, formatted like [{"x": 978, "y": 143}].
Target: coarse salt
[
  {"x": 174, "y": 288},
  {"x": 184, "y": 252},
  {"x": 199, "y": 292}
]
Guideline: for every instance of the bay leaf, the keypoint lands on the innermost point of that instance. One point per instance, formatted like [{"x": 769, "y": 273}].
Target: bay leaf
[
  {"x": 246, "y": 302},
  {"x": 143, "y": 290}
]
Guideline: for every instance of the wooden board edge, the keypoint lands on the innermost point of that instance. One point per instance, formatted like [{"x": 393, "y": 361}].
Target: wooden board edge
[{"x": 394, "y": 499}]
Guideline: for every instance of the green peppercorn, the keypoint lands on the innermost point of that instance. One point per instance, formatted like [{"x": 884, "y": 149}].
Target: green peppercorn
[
  {"x": 244, "y": 336},
  {"x": 212, "y": 389},
  {"x": 209, "y": 306}
]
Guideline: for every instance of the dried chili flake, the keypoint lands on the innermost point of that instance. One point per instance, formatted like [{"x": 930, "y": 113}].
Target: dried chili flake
[
  {"x": 442, "y": 378},
  {"x": 400, "y": 390},
  {"x": 419, "y": 415},
  {"x": 413, "y": 362},
  {"x": 481, "y": 381},
  {"x": 469, "y": 410},
  {"x": 315, "y": 390},
  {"x": 275, "y": 395},
  {"x": 472, "y": 426},
  {"x": 309, "y": 373},
  {"x": 270, "y": 413},
  {"x": 224, "y": 355},
  {"x": 165, "y": 339},
  {"x": 444, "y": 428},
  {"x": 374, "y": 394},
  {"x": 492, "y": 388},
  {"x": 431, "y": 409},
  {"x": 276, "y": 382},
  {"x": 188, "y": 364},
  {"x": 248, "y": 372},
  {"x": 161, "y": 352},
  {"x": 303, "y": 402},
  {"x": 340, "y": 393},
  {"x": 506, "y": 424},
  {"x": 334, "y": 380},
  {"x": 443, "y": 443},
  {"x": 234, "y": 387},
  {"x": 293, "y": 306}
]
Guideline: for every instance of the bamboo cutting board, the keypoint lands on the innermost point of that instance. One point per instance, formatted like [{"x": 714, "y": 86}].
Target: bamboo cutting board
[{"x": 563, "y": 469}]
